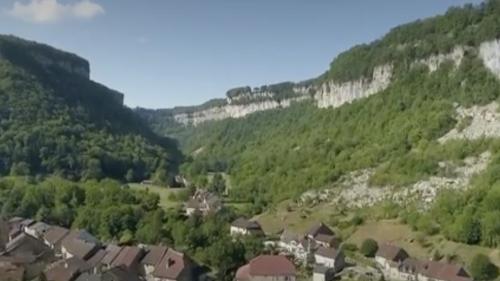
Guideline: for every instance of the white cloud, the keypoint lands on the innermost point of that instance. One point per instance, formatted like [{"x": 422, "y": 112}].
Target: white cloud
[{"x": 50, "y": 11}]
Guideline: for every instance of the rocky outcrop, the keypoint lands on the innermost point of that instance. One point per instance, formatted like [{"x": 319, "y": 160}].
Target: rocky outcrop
[
  {"x": 490, "y": 54},
  {"x": 433, "y": 62},
  {"x": 475, "y": 122},
  {"x": 333, "y": 94},
  {"x": 355, "y": 191}
]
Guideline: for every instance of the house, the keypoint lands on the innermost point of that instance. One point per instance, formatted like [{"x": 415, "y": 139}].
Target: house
[
  {"x": 203, "y": 202},
  {"x": 25, "y": 223},
  {"x": 388, "y": 258},
  {"x": 297, "y": 245},
  {"x": 79, "y": 243},
  {"x": 242, "y": 226},
  {"x": 66, "y": 270},
  {"x": 267, "y": 268},
  {"x": 412, "y": 269},
  {"x": 330, "y": 257},
  {"x": 323, "y": 236},
  {"x": 112, "y": 252},
  {"x": 152, "y": 259},
  {"x": 27, "y": 247},
  {"x": 323, "y": 273},
  {"x": 129, "y": 258},
  {"x": 37, "y": 229},
  {"x": 53, "y": 238},
  {"x": 317, "y": 229},
  {"x": 174, "y": 266}
]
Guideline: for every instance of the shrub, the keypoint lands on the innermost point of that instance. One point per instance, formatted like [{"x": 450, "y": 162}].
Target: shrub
[
  {"x": 369, "y": 247},
  {"x": 357, "y": 220},
  {"x": 482, "y": 269},
  {"x": 350, "y": 247}
]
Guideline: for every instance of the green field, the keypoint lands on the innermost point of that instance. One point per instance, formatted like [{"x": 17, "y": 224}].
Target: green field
[
  {"x": 163, "y": 192},
  {"x": 399, "y": 234}
]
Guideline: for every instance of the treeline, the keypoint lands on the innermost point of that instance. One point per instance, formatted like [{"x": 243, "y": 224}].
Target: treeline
[
  {"x": 56, "y": 122},
  {"x": 115, "y": 213}
]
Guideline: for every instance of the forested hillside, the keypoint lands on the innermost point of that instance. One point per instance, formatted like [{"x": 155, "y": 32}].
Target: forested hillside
[
  {"x": 55, "y": 120},
  {"x": 278, "y": 154}
]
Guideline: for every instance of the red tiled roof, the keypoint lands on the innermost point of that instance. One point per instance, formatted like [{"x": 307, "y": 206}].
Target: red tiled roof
[
  {"x": 267, "y": 265},
  {"x": 391, "y": 252},
  {"x": 444, "y": 271},
  {"x": 172, "y": 265},
  {"x": 154, "y": 255},
  {"x": 128, "y": 257},
  {"x": 243, "y": 273},
  {"x": 112, "y": 252},
  {"x": 96, "y": 259}
]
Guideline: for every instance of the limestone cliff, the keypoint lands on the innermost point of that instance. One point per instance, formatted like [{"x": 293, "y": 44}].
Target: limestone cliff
[
  {"x": 233, "y": 110},
  {"x": 243, "y": 101},
  {"x": 333, "y": 94}
]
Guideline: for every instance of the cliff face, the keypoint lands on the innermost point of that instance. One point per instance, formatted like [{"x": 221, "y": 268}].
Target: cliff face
[
  {"x": 233, "y": 110},
  {"x": 42, "y": 58},
  {"x": 332, "y": 94},
  {"x": 48, "y": 63},
  {"x": 490, "y": 54},
  {"x": 243, "y": 101}
]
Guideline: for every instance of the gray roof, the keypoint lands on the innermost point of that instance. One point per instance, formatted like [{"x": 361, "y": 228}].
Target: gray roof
[
  {"x": 80, "y": 243},
  {"x": 55, "y": 234},
  {"x": 327, "y": 252},
  {"x": 40, "y": 227},
  {"x": 246, "y": 224}
]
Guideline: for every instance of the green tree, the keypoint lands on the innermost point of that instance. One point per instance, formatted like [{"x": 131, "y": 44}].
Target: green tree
[
  {"x": 369, "y": 247},
  {"x": 490, "y": 228},
  {"x": 218, "y": 184}
]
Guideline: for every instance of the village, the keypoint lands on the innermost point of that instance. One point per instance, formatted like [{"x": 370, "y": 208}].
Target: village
[{"x": 35, "y": 250}]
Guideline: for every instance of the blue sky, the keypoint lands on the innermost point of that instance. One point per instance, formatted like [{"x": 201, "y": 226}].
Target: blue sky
[{"x": 164, "y": 53}]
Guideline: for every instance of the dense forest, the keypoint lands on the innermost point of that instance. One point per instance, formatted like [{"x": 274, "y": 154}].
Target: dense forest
[{"x": 54, "y": 120}]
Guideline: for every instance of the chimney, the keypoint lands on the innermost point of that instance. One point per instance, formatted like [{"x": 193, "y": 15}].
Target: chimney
[{"x": 170, "y": 262}]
